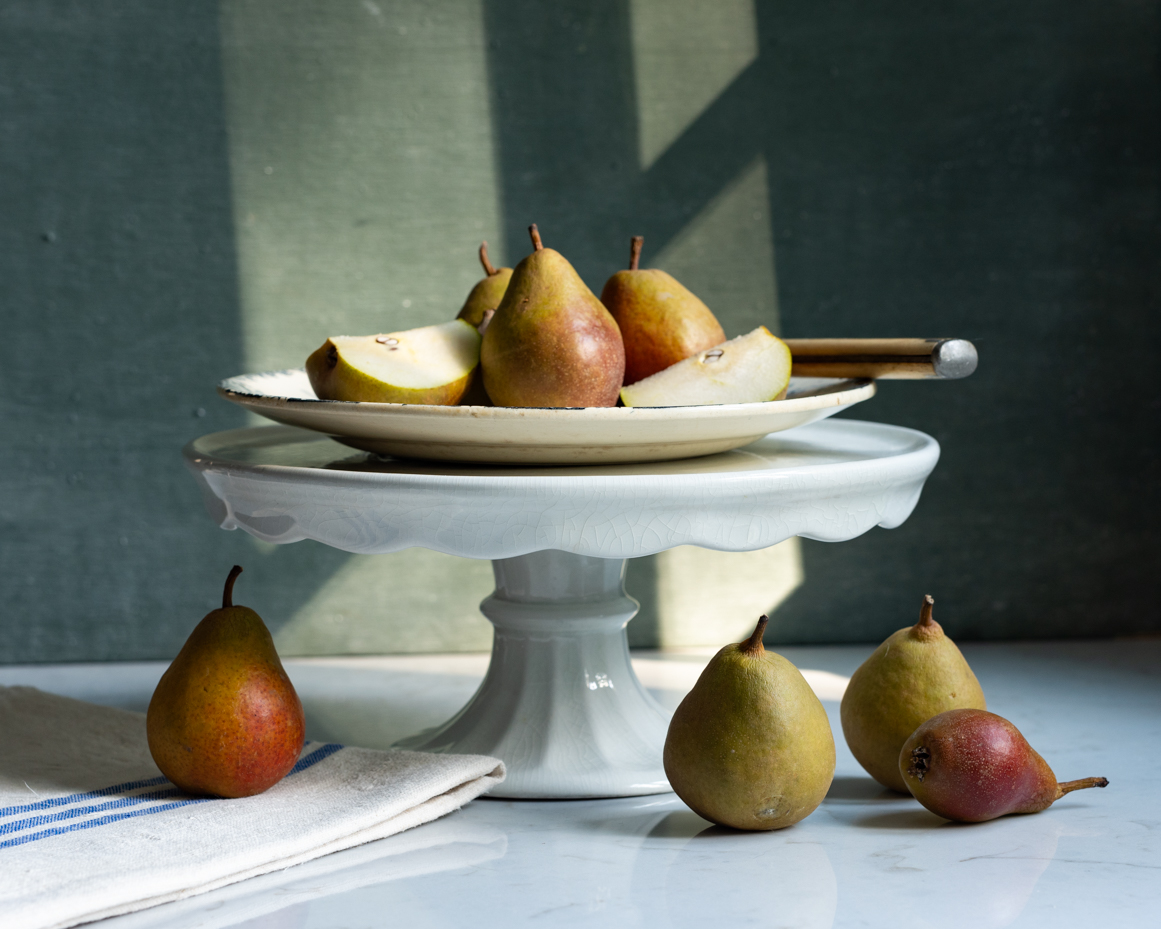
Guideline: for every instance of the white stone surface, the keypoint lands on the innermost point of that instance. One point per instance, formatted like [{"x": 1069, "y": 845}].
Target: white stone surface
[
  {"x": 560, "y": 703},
  {"x": 865, "y": 858}
]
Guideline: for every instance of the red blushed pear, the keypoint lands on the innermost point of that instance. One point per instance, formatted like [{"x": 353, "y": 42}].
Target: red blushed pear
[
  {"x": 972, "y": 766},
  {"x": 551, "y": 343},
  {"x": 661, "y": 321},
  {"x": 225, "y": 719}
]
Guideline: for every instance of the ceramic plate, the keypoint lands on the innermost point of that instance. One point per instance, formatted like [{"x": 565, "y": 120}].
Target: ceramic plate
[{"x": 523, "y": 435}]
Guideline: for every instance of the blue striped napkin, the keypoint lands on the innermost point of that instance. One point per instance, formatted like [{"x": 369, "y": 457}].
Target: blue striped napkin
[{"x": 90, "y": 828}]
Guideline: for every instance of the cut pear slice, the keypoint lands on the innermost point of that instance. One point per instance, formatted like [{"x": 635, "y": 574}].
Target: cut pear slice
[
  {"x": 434, "y": 365},
  {"x": 752, "y": 368}
]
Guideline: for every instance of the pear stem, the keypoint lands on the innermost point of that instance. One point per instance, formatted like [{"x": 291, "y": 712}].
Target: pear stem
[
  {"x": 753, "y": 645},
  {"x": 489, "y": 268},
  {"x": 925, "y": 611},
  {"x": 635, "y": 244},
  {"x": 535, "y": 233},
  {"x": 1069, "y": 786},
  {"x": 228, "y": 592}
]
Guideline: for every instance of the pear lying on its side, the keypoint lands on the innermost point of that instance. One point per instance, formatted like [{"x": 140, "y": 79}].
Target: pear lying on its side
[
  {"x": 915, "y": 674},
  {"x": 750, "y": 746},
  {"x": 488, "y": 293},
  {"x": 225, "y": 719},
  {"x": 971, "y": 766},
  {"x": 661, "y": 322},
  {"x": 434, "y": 364},
  {"x": 752, "y": 368}
]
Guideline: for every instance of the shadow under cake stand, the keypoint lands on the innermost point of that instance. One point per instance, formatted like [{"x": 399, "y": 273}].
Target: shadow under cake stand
[{"x": 560, "y": 704}]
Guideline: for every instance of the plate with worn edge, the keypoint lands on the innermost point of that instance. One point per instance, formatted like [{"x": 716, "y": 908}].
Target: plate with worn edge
[{"x": 534, "y": 435}]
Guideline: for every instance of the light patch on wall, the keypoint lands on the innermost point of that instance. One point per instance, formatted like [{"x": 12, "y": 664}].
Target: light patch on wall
[
  {"x": 410, "y": 601},
  {"x": 713, "y": 598},
  {"x": 363, "y": 180},
  {"x": 685, "y": 53},
  {"x": 362, "y": 166},
  {"x": 725, "y": 255}
]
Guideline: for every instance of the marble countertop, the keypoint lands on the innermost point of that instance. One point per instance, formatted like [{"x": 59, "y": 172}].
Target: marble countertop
[{"x": 866, "y": 857}]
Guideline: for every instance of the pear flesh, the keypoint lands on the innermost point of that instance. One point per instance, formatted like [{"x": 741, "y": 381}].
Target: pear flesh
[
  {"x": 225, "y": 719},
  {"x": 750, "y": 746},
  {"x": 752, "y": 368},
  {"x": 971, "y": 766},
  {"x": 551, "y": 343},
  {"x": 917, "y": 673},
  {"x": 432, "y": 365},
  {"x": 487, "y": 293},
  {"x": 661, "y": 321}
]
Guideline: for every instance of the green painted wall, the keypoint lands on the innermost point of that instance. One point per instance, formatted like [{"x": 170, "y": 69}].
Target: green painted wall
[{"x": 191, "y": 192}]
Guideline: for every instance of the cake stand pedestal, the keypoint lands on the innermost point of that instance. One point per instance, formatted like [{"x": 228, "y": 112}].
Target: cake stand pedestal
[{"x": 560, "y": 704}]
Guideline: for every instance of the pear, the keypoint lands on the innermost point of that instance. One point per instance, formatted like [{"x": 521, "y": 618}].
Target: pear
[
  {"x": 750, "y": 746},
  {"x": 661, "y": 322},
  {"x": 224, "y": 719},
  {"x": 434, "y": 364},
  {"x": 915, "y": 674},
  {"x": 752, "y": 368},
  {"x": 488, "y": 293},
  {"x": 971, "y": 766},
  {"x": 551, "y": 343}
]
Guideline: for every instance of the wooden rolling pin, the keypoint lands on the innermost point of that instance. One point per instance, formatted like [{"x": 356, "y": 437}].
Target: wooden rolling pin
[{"x": 945, "y": 359}]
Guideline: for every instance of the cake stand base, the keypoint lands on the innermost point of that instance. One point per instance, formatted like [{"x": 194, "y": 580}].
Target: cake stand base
[{"x": 560, "y": 704}]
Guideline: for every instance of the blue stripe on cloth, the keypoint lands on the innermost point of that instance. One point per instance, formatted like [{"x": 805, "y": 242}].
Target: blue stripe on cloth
[
  {"x": 103, "y": 821},
  {"x": 16, "y": 826},
  {"x": 303, "y": 763},
  {"x": 90, "y": 795}
]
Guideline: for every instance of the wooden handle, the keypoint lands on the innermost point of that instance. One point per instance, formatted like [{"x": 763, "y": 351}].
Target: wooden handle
[{"x": 945, "y": 359}]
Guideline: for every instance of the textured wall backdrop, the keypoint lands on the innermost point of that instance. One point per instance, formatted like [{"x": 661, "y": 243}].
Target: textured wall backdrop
[{"x": 193, "y": 191}]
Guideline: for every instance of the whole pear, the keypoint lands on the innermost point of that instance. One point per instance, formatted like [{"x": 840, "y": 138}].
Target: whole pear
[
  {"x": 661, "y": 321},
  {"x": 971, "y": 766},
  {"x": 917, "y": 673},
  {"x": 487, "y": 293},
  {"x": 750, "y": 746},
  {"x": 225, "y": 719},
  {"x": 551, "y": 343}
]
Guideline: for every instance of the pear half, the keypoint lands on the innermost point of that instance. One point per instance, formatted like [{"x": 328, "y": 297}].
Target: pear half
[
  {"x": 752, "y": 368},
  {"x": 434, "y": 365}
]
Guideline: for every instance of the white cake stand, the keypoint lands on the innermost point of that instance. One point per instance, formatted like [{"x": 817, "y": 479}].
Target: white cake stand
[{"x": 560, "y": 703}]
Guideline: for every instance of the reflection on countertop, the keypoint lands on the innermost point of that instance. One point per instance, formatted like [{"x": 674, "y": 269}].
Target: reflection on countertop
[{"x": 866, "y": 857}]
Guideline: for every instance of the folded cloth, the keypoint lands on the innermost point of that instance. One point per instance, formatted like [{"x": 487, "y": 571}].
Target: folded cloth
[{"x": 90, "y": 828}]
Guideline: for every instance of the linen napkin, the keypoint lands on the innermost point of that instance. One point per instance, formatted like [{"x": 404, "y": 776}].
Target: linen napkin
[{"x": 90, "y": 828}]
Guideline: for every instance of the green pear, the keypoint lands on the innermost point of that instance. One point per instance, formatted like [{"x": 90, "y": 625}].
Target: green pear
[
  {"x": 225, "y": 719},
  {"x": 750, "y": 746},
  {"x": 914, "y": 675},
  {"x": 551, "y": 343},
  {"x": 434, "y": 364},
  {"x": 661, "y": 322},
  {"x": 488, "y": 293},
  {"x": 752, "y": 368}
]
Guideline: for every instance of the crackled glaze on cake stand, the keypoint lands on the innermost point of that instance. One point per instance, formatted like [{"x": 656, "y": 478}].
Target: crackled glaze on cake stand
[{"x": 560, "y": 703}]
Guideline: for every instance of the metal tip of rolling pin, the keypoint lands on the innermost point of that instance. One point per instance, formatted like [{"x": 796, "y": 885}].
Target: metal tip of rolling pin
[{"x": 954, "y": 358}]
